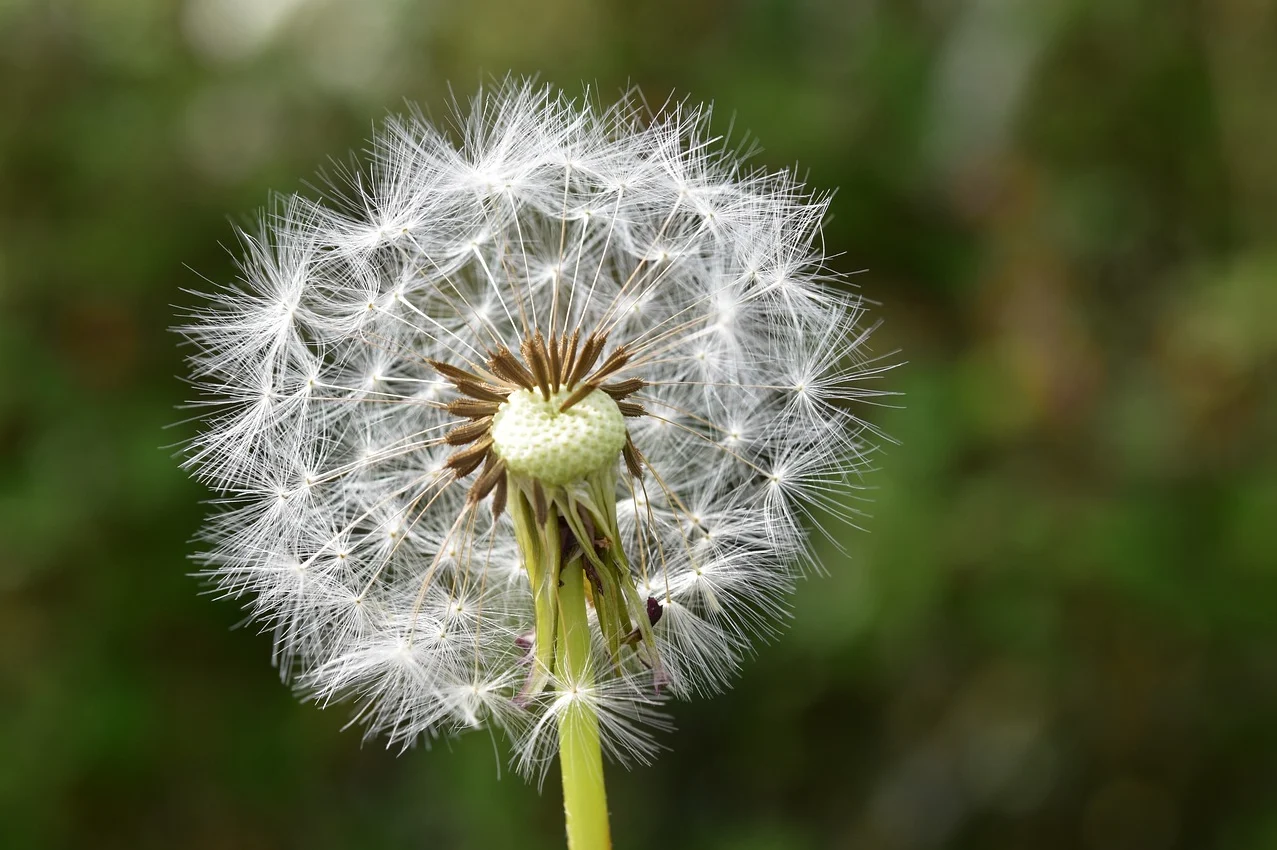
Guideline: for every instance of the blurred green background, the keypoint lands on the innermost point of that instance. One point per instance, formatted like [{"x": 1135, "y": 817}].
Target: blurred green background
[{"x": 1060, "y": 630}]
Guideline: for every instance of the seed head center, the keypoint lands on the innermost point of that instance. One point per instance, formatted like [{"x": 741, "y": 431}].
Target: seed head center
[{"x": 537, "y": 440}]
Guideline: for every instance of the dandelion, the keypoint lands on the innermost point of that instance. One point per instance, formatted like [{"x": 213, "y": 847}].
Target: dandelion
[{"x": 522, "y": 425}]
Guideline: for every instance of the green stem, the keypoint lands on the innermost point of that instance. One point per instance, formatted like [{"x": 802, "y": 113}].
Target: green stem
[{"x": 580, "y": 756}]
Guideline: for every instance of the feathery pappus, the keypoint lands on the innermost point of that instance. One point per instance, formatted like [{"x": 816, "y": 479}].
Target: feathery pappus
[{"x": 554, "y": 334}]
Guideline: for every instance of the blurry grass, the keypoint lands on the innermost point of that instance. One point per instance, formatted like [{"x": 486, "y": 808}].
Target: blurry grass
[{"x": 1057, "y": 630}]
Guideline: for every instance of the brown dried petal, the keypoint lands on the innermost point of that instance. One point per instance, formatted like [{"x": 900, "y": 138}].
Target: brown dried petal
[
  {"x": 621, "y": 389},
  {"x": 485, "y": 483},
  {"x": 539, "y": 505},
  {"x": 536, "y": 361},
  {"x": 468, "y": 432},
  {"x": 569, "y": 357},
  {"x": 590, "y": 351},
  {"x": 468, "y": 409},
  {"x": 499, "y": 496},
  {"x": 481, "y": 391},
  {"x": 466, "y": 460},
  {"x": 454, "y": 373},
  {"x": 577, "y": 394},
  {"x": 615, "y": 361},
  {"x": 505, "y": 365},
  {"x": 633, "y": 457}
]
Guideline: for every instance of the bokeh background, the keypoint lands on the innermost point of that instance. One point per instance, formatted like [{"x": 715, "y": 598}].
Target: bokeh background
[{"x": 1060, "y": 630}]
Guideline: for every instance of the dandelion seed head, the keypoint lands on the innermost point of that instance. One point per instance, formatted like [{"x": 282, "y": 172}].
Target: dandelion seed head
[{"x": 593, "y": 316}]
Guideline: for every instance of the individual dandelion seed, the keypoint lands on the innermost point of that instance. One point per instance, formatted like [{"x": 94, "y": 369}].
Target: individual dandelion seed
[{"x": 524, "y": 428}]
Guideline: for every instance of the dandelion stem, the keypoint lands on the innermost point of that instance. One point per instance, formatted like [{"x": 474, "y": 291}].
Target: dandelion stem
[{"x": 580, "y": 755}]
